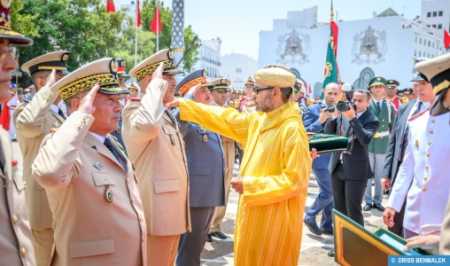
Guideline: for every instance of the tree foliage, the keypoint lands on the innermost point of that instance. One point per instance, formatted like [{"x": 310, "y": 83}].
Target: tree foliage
[{"x": 83, "y": 28}]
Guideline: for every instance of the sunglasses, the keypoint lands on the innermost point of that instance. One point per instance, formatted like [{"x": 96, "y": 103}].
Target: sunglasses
[{"x": 256, "y": 90}]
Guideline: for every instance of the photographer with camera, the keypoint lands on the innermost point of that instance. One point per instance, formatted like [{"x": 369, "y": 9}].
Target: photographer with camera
[
  {"x": 350, "y": 169},
  {"x": 316, "y": 116}
]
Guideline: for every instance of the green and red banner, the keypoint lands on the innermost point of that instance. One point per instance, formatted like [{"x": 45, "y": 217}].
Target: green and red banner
[{"x": 331, "y": 72}]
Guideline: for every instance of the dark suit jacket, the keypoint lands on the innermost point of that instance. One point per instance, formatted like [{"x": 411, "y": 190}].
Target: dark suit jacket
[
  {"x": 312, "y": 124},
  {"x": 356, "y": 165},
  {"x": 391, "y": 163}
]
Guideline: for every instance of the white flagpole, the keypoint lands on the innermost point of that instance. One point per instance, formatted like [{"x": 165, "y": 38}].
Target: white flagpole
[{"x": 135, "y": 35}]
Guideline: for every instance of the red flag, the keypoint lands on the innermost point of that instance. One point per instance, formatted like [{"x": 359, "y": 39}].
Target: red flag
[
  {"x": 138, "y": 18},
  {"x": 110, "y": 6},
  {"x": 446, "y": 39},
  {"x": 156, "y": 25},
  {"x": 335, "y": 28},
  {"x": 309, "y": 90}
]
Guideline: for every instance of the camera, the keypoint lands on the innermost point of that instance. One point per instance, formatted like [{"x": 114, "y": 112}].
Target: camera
[
  {"x": 330, "y": 108},
  {"x": 345, "y": 106}
]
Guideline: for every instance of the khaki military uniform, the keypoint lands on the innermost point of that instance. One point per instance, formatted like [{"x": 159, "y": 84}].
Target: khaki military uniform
[
  {"x": 156, "y": 147},
  {"x": 15, "y": 243},
  {"x": 33, "y": 121},
  {"x": 98, "y": 215}
]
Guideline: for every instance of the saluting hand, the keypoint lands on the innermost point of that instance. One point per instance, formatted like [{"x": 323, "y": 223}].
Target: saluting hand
[
  {"x": 159, "y": 71},
  {"x": 86, "y": 104},
  {"x": 194, "y": 89},
  {"x": 51, "y": 79}
]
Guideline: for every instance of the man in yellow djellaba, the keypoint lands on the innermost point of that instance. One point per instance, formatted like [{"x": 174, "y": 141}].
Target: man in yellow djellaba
[{"x": 275, "y": 170}]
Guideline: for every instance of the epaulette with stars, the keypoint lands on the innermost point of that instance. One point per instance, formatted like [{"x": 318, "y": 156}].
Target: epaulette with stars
[{"x": 417, "y": 115}]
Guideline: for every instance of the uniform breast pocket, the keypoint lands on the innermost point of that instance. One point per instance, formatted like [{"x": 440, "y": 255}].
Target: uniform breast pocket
[
  {"x": 105, "y": 184},
  {"x": 169, "y": 132}
]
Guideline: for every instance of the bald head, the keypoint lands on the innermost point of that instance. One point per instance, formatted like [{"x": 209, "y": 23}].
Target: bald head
[{"x": 331, "y": 93}]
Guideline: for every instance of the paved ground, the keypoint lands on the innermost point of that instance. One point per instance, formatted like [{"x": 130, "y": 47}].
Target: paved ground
[{"x": 314, "y": 248}]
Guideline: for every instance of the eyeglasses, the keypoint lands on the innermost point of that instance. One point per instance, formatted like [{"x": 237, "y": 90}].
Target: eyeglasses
[
  {"x": 7, "y": 50},
  {"x": 256, "y": 90}
]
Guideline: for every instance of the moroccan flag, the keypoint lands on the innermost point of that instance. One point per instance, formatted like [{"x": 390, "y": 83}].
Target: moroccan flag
[
  {"x": 446, "y": 39},
  {"x": 138, "y": 15},
  {"x": 309, "y": 90},
  {"x": 331, "y": 73},
  {"x": 156, "y": 25},
  {"x": 110, "y": 6}
]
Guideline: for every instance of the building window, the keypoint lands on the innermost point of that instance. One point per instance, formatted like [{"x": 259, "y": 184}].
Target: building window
[
  {"x": 364, "y": 77},
  {"x": 439, "y": 26},
  {"x": 440, "y": 13},
  {"x": 434, "y": 14},
  {"x": 415, "y": 53},
  {"x": 429, "y": 14},
  {"x": 238, "y": 70},
  {"x": 420, "y": 53},
  {"x": 429, "y": 43},
  {"x": 420, "y": 40},
  {"x": 416, "y": 39}
]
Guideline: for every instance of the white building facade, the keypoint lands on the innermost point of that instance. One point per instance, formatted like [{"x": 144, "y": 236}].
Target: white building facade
[
  {"x": 237, "y": 68},
  {"x": 385, "y": 45},
  {"x": 210, "y": 58}
]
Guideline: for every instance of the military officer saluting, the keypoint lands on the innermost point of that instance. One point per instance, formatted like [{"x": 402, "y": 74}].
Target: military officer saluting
[
  {"x": 425, "y": 164},
  {"x": 93, "y": 193},
  {"x": 384, "y": 110},
  {"x": 155, "y": 144},
  {"x": 15, "y": 234},
  {"x": 122, "y": 76},
  {"x": 33, "y": 121},
  {"x": 205, "y": 160}
]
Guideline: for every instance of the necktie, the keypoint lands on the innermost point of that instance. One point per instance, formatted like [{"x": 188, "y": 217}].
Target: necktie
[
  {"x": 113, "y": 150},
  {"x": 379, "y": 106},
  {"x": 171, "y": 117},
  {"x": 419, "y": 106},
  {"x": 61, "y": 113}
]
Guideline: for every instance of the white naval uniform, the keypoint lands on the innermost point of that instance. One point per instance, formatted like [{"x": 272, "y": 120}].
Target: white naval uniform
[{"x": 426, "y": 161}]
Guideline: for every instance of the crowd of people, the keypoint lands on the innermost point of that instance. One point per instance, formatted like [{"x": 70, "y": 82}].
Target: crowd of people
[{"x": 139, "y": 173}]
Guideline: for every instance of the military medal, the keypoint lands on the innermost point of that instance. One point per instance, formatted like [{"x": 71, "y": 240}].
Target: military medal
[
  {"x": 108, "y": 194},
  {"x": 205, "y": 136}
]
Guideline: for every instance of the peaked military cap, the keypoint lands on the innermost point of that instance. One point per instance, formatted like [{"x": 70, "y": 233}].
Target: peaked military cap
[
  {"x": 377, "y": 81},
  {"x": 437, "y": 70},
  {"x": 249, "y": 82},
  {"x": 149, "y": 65},
  {"x": 54, "y": 60},
  {"x": 5, "y": 26},
  {"x": 102, "y": 71},
  {"x": 221, "y": 84},
  {"x": 194, "y": 78},
  {"x": 121, "y": 68},
  {"x": 392, "y": 83},
  {"x": 275, "y": 76}
]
